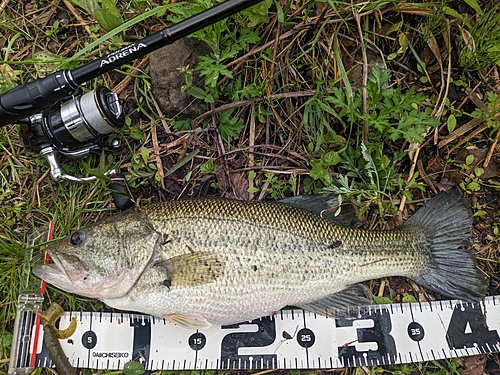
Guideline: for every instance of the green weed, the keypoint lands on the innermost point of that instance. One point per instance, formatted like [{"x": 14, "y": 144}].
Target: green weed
[
  {"x": 490, "y": 114},
  {"x": 392, "y": 113},
  {"x": 209, "y": 167},
  {"x": 133, "y": 368},
  {"x": 141, "y": 167},
  {"x": 277, "y": 188},
  {"x": 480, "y": 43},
  {"x": 273, "y": 185},
  {"x": 104, "y": 11},
  {"x": 226, "y": 39},
  {"x": 366, "y": 172}
]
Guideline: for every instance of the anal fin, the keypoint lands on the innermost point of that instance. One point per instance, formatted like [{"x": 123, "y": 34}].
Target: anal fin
[{"x": 339, "y": 304}]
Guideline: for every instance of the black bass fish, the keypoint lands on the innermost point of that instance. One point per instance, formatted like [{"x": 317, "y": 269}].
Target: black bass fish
[{"x": 204, "y": 262}]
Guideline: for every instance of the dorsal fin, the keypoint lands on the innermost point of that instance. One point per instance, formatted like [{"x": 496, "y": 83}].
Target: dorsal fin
[{"x": 325, "y": 205}]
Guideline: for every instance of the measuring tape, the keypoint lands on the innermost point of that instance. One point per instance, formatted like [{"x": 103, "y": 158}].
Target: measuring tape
[{"x": 291, "y": 339}]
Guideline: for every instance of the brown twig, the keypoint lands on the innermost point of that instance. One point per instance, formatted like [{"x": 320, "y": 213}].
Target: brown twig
[
  {"x": 492, "y": 149},
  {"x": 160, "y": 115},
  {"x": 276, "y": 169},
  {"x": 36, "y": 190},
  {"x": 244, "y": 103},
  {"x": 251, "y": 143},
  {"x": 73, "y": 11},
  {"x": 459, "y": 132},
  {"x": 381, "y": 288},
  {"x": 3, "y": 5},
  {"x": 470, "y": 136},
  {"x": 222, "y": 152},
  {"x": 424, "y": 176},
  {"x": 414, "y": 159},
  {"x": 272, "y": 147},
  {"x": 156, "y": 150},
  {"x": 434, "y": 48},
  {"x": 126, "y": 81},
  {"x": 439, "y": 112}
]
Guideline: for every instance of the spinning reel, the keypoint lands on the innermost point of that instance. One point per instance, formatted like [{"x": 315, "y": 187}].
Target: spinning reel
[{"x": 75, "y": 129}]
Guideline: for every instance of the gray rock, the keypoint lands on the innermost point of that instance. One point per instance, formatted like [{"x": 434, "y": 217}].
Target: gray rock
[{"x": 167, "y": 79}]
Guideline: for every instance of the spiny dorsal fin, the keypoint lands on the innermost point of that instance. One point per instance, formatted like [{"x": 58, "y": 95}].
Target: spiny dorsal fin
[
  {"x": 192, "y": 269},
  {"x": 325, "y": 205}
]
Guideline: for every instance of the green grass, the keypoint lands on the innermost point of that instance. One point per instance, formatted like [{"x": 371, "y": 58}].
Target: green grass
[
  {"x": 310, "y": 126},
  {"x": 481, "y": 42}
]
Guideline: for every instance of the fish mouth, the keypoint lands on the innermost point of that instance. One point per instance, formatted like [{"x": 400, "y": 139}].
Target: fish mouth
[
  {"x": 56, "y": 271},
  {"x": 69, "y": 273},
  {"x": 57, "y": 265},
  {"x": 64, "y": 274}
]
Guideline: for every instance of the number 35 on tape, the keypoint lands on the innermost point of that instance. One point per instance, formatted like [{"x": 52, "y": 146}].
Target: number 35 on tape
[{"x": 292, "y": 339}]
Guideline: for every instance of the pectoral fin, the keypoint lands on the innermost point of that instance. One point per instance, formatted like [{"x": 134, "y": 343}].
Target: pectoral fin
[
  {"x": 339, "y": 304},
  {"x": 189, "y": 321},
  {"x": 192, "y": 269}
]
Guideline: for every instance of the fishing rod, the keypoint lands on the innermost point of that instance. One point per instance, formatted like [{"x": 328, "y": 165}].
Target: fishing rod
[{"x": 57, "y": 118}]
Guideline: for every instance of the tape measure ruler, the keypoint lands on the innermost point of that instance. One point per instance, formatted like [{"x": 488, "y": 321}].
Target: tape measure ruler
[{"x": 292, "y": 339}]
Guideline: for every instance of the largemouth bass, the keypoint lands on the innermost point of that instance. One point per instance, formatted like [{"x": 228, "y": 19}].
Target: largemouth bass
[{"x": 205, "y": 262}]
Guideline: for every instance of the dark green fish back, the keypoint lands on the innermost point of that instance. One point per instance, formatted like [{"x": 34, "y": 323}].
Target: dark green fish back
[{"x": 279, "y": 217}]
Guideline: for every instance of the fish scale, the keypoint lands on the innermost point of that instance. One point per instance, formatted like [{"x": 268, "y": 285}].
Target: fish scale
[
  {"x": 278, "y": 236},
  {"x": 213, "y": 261}
]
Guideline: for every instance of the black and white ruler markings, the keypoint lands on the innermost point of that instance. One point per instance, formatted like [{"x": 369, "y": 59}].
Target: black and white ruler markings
[{"x": 292, "y": 339}]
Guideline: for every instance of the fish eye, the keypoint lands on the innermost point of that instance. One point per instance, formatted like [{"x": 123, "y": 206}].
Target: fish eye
[{"x": 77, "y": 238}]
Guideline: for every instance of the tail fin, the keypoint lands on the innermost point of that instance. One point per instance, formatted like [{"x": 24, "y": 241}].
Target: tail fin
[{"x": 446, "y": 221}]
